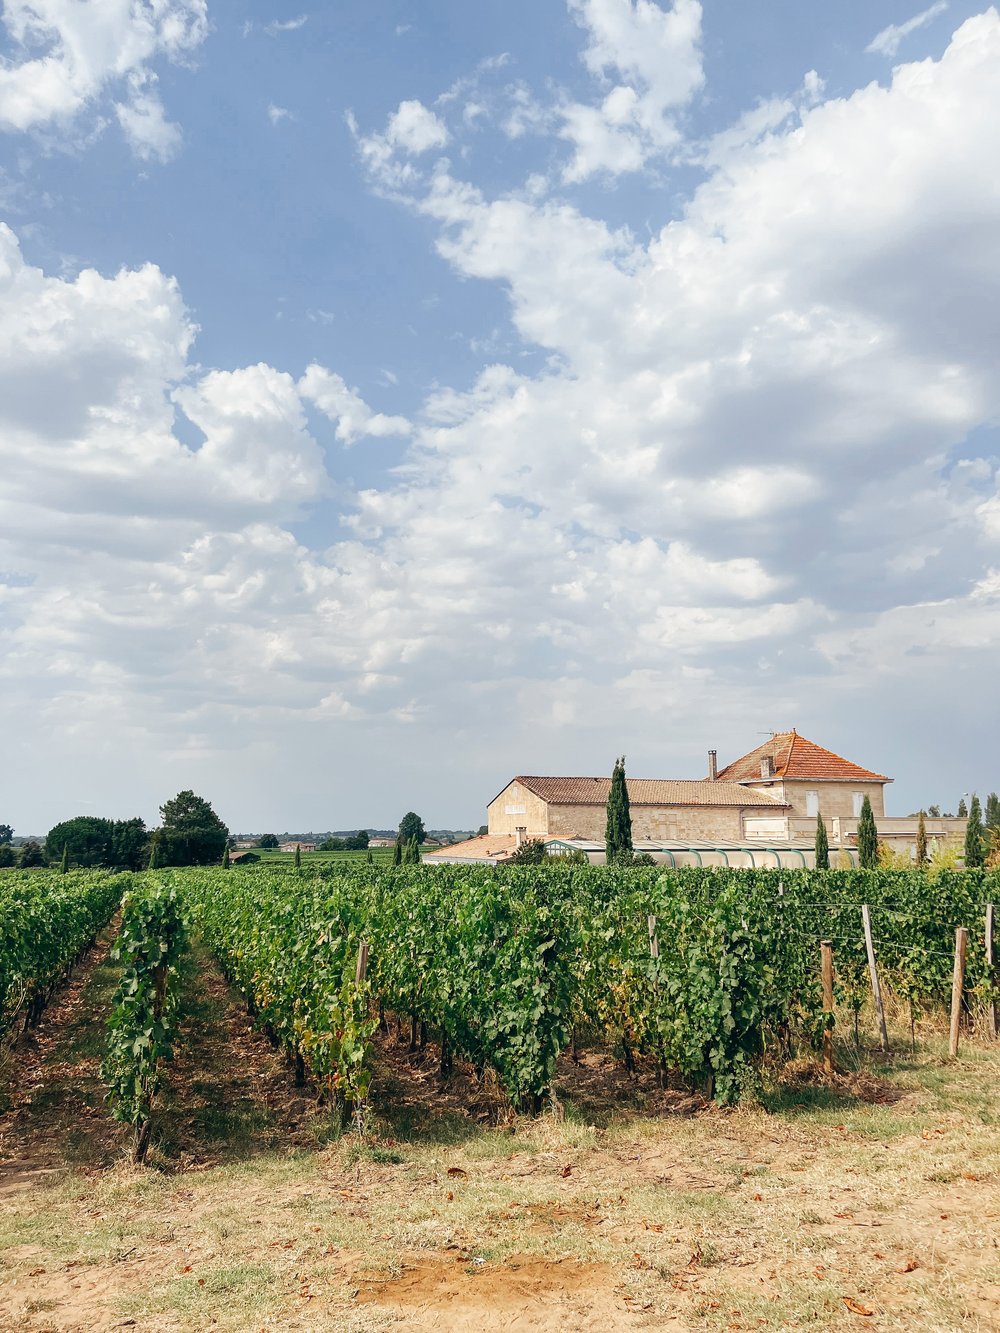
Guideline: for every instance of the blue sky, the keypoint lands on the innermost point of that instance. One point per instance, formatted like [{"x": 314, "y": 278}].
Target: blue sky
[{"x": 395, "y": 397}]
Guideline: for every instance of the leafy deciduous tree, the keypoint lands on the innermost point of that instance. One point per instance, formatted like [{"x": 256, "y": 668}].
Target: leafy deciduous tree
[
  {"x": 192, "y": 833},
  {"x": 530, "y": 853},
  {"x": 30, "y": 855},
  {"x": 412, "y": 826}
]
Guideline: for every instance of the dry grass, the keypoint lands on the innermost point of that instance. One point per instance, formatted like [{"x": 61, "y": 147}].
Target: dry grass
[{"x": 639, "y": 1210}]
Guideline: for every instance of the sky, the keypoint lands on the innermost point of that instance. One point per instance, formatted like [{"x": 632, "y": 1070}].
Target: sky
[{"x": 398, "y": 397}]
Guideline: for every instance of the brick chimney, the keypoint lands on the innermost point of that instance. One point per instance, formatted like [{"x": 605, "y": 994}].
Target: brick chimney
[
  {"x": 519, "y": 833},
  {"x": 767, "y": 767},
  {"x": 713, "y": 766}
]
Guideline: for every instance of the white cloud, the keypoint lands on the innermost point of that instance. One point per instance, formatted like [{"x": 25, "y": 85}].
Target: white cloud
[
  {"x": 729, "y": 484},
  {"x": 888, "y": 41},
  {"x": 347, "y": 408},
  {"x": 276, "y": 114},
  {"x": 277, "y": 26},
  {"x": 651, "y": 57},
  {"x": 144, "y": 121},
  {"x": 88, "y": 49},
  {"x": 415, "y": 129},
  {"x": 411, "y": 130}
]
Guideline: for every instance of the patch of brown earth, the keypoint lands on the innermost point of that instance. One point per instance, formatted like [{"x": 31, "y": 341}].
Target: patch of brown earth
[{"x": 469, "y": 1295}]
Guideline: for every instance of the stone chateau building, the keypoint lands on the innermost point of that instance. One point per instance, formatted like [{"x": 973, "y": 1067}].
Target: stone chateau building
[{"x": 759, "y": 810}]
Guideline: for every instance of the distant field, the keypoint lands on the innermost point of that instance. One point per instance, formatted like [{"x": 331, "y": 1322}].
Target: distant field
[{"x": 379, "y": 854}]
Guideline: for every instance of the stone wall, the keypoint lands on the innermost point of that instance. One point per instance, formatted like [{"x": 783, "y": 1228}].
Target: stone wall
[
  {"x": 836, "y": 800},
  {"x": 516, "y": 807},
  {"x": 675, "y": 823}
]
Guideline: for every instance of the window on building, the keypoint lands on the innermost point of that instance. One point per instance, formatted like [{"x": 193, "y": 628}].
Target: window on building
[
  {"x": 857, "y": 801},
  {"x": 812, "y": 802}
]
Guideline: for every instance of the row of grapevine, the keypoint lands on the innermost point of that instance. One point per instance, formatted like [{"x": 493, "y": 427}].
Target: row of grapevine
[
  {"x": 291, "y": 946},
  {"x": 142, "y": 1026},
  {"x": 702, "y": 969},
  {"x": 735, "y": 962},
  {"x": 46, "y": 921}
]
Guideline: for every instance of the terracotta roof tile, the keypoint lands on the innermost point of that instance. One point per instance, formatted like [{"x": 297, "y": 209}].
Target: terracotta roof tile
[
  {"x": 497, "y": 844},
  {"x": 795, "y": 757},
  {"x": 647, "y": 791}
]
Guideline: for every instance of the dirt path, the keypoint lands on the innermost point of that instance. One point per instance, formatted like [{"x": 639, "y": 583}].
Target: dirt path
[
  {"x": 51, "y": 1093},
  {"x": 229, "y": 1094}
]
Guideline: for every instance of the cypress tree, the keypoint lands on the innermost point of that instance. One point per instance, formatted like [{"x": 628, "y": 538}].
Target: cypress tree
[
  {"x": 413, "y": 852},
  {"x": 225, "y": 859},
  {"x": 993, "y": 811},
  {"x": 370, "y": 858},
  {"x": 963, "y": 809},
  {"x": 921, "y": 840},
  {"x": 974, "y": 836},
  {"x": 154, "y": 852},
  {"x": 822, "y": 845},
  {"x": 65, "y": 858},
  {"x": 867, "y": 837},
  {"x": 397, "y": 851},
  {"x": 618, "y": 829},
  {"x": 298, "y": 857}
]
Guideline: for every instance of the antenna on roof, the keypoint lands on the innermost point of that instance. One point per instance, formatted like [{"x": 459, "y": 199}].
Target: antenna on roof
[{"x": 772, "y": 734}]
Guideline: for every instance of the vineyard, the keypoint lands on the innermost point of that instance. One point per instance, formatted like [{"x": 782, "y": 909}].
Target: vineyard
[
  {"x": 334, "y": 1081},
  {"x": 704, "y": 972}
]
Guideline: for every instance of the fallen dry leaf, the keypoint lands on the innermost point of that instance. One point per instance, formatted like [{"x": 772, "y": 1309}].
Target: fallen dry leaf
[
  {"x": 856, "y": 1307},
  {"x": 565, "y": 1171},
  {"x": 910, "y": 1266},
  {"x": 458, "y": 1173}
]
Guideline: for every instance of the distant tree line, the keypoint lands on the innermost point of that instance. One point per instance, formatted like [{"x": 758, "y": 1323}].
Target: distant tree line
[
  {"x": 190, "y": 834},
  {"x": 356, "y": 842}
]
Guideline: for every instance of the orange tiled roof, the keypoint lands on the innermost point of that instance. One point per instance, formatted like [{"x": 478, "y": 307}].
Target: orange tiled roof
[
  {"x": 496, "y": 844},
  {"x": 646, "y": 791},
  {"x": 794, "y": 757}
]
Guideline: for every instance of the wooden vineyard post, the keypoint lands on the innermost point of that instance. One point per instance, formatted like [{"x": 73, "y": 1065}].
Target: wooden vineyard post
[
  {"x": 362, "y": 969},
  {"x": 654, "y": 943},
  {"x": 826, "y": 956},
  {"x": 990, "y": 973},
  {"x": 957, "y": 985},
  {"x": 873, "y": 972}
]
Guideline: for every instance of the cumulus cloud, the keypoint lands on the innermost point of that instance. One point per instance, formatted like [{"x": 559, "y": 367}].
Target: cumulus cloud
[
  {"x": 346, "y": 407},
  {"x": 88, "y": 49},
  {"x": 411, "y": 130},
  {"x": 651, "y": 58},
  {"x": 733, "y": 481}
]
